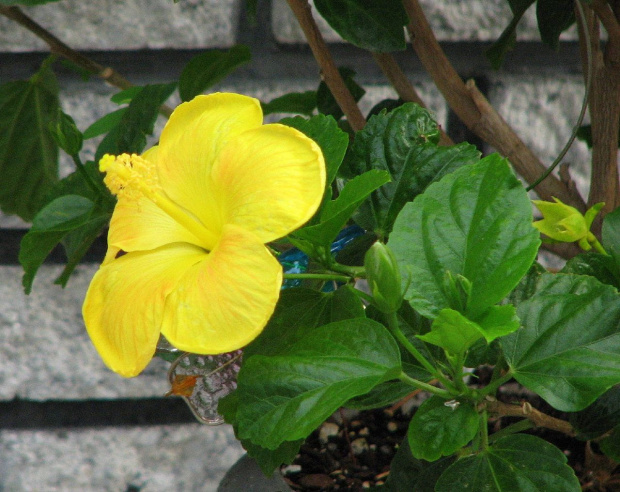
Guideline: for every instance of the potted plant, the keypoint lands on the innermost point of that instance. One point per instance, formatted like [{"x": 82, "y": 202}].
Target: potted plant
[{"x": 436, "y": 291}]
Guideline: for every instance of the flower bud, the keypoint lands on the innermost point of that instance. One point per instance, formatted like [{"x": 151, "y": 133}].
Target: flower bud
[
  {"x": 383, "y": 278},
  {"x": 564, "y": 223},
  {"x": 65, "y": 134}
]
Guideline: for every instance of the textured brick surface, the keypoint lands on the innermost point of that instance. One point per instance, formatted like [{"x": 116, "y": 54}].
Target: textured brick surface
[
  {"x": 151, "y": 459},
  {"x": 453, "y": 20},
  {"x": 127, "y": 25},
  {"x": 45, "y": 352},
  {"x": 543, "y": 111}
]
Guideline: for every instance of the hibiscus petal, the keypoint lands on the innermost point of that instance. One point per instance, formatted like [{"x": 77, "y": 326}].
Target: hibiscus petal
[
  {"x": 224, "y": 302},
  {"x": 190, "y": 143},
  {"x": 124, "y": 304},
  {"x": 270, "y": 180}
]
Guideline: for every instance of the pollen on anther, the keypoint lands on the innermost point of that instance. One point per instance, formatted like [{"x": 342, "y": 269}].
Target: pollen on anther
[{"x": 130, "y": 176}]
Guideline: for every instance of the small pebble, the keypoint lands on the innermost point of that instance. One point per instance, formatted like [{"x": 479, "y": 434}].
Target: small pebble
[
  {"x": 359, "y": 445},
  {"x": 332, "y": 446},
  {"x": 290, "y": 469},
  {"x": 316, "y": 481},
  {"x": 385, "y": 449},
  {"x": 392, "y": 426},
  {"x": 328, "y": 429},
  {"x": 364, "y": 432}
]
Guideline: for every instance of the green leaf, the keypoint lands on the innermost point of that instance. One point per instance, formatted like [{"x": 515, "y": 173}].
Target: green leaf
[
  {"x": 476, "y": 223},
  {"x": 325, "y": 102},
  {"x": 603, "y": 268},
  {"x": 514, "y": 463},
  {"x": 50, "y": 225},
  {"x": 409, "y": 474},
  {"x": 600, "y": 417},
  {"x": 87, "y": 184},
  {"x": 437, "y": 429},
  {"x": 207, "y": 69},
  {"x": 139, "y": 119},
  {"x": 611, "y": 234},
  {"x": 508, "y": 38},
  {"x": 453, "y": 332},
  {"x": 554, "y": 17},
  {"x": 568, "y": 349},
  {"x": 371, "y": 25},
  {"x": 380, "y": 396},
  {"x": 285, "y": 397},
  {"x": 498, "y": 321},
  {"x": 136, "y": 122},
  {"x": 126, "y": 95},
  {"x": 294, "y": 102},
  {"x": 324, "y": 131},
  {"x": 528, "y": 285},
  {"x": 611, "y": 444},
  {"x": 77, "y": 242},
  {"x": 270, "y": 460},
  {"x": 299, "y": 311},
  {"x": 267, "y": 459},
  {"x": 28, "y": 152},
  {"x": 104, "y": 124},
  {"x": 336, "y": 213},
  {"x": 402, "y": 142}
]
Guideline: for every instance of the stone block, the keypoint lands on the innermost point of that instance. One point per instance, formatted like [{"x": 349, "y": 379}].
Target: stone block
[
  {"x": 128, "y": 25},
  {"x": 45, "y": 352},
  {"x": 543, "y": 109},
  {"x": 150, "y": 459},
  {"x": 478, "y": 20}
]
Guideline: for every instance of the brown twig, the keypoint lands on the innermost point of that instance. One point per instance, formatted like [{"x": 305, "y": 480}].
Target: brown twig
[
  {"x": 329, "y": 71},
  {"x": 476, "y": 112},
  {"x": 405, "y": 90},
  {"x": 526, "y": 410},
  {"x": 604, "y": 105},
  {"x": 57, "y": 47},
  {"x": 607, "y": 17}
]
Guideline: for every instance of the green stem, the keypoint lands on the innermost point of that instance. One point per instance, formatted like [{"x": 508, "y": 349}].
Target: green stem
[
  {"x": 458, "y": 373},
  {"x": 484, "y": 429},
  {"x": 425, "y": 386},
  {"x": 599, "y": 247},
  {"x": 492, "y": 387},
  {"x": 395, "y": 329},
  {"x": 352, "y": 271},
  {"x": 317, "y": 276},
  {"x": 97, "y": 188}
]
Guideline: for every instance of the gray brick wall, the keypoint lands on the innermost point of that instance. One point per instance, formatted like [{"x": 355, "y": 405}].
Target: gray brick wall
[{"x": 45, "y": 354}]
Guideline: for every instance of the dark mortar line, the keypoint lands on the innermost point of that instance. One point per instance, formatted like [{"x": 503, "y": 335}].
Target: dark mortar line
[
  {"x": 11, "y": 238},
  {"x": 31, "y": 415},
  {"x": 272, "y": 61}
]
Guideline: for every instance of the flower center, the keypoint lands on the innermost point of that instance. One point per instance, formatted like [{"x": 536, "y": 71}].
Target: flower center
[{"x": 133, "y": 177}]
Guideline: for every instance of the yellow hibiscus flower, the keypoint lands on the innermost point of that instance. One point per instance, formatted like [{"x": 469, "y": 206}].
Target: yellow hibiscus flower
[{"x": 186, "y": 246}]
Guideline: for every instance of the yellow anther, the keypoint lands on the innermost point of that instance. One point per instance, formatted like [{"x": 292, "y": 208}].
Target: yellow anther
[{"x": 130, "y": 176}]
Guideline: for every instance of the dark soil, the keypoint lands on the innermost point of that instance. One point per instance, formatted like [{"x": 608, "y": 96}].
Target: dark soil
[
  {"x": 359, "y": 449},
  {"x": 356, "y": 457}
]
